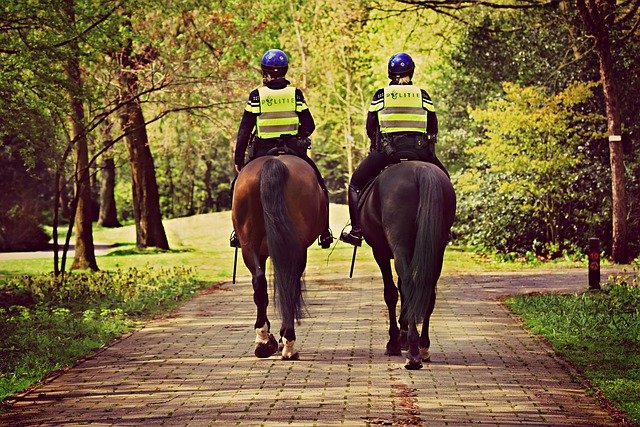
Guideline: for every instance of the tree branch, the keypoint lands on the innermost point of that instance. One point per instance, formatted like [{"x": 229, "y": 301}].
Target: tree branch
[{"x": 438, "y": 5}]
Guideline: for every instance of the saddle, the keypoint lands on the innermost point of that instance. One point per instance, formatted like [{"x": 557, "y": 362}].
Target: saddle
[
  {"x": 284, "y": 145},
  {"x": 366, "y": 189}
]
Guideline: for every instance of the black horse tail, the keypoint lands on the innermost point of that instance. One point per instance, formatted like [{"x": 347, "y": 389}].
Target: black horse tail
[
  {"x": 421, "y": 276},
  {"x": 286, "y": 252}
]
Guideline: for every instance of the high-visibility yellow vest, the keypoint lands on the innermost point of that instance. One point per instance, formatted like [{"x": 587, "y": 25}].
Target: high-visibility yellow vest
[
  {"x": 403, "y": 110},
  {"x": 277, "y": 112}
]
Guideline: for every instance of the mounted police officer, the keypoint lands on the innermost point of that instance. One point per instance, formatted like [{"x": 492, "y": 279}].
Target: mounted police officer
[
  {"x": 277, "y": 118},
  {"x": 402, "y": 125}
]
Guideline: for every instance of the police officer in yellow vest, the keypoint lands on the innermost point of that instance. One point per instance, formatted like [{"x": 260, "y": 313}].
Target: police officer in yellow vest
[
  {"x": 277, "y": 115},
  {"x": 401, "y": 124}
]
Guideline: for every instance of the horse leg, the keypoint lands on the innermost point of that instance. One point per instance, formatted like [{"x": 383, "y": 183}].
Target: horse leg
[
  {"x": 266, "y": 344},
  {"x": 425, "y": 342},
  {"x": 414, "y": 359},
  {"x": 391, "y": 299},
  {"x": 288, "y": 337},
  {"x": 287, "y": 330},
  {"x": 404, "y": 324}
]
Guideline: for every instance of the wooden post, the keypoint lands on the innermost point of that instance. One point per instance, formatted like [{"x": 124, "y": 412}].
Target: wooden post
[{"x": 594, "y": 263}]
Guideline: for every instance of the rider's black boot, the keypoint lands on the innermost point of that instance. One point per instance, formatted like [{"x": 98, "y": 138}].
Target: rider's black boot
[
  {"x": 326, "y": 238},
  {"x": 354, "y": 237}
]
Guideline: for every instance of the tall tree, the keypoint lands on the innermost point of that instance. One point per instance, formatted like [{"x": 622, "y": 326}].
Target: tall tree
[
  {"x": 146, "y": 201},
  {"x": 84, "y": 257},
  {"x": 108, "y": 216},
  {"x": 600, "y": 18}
]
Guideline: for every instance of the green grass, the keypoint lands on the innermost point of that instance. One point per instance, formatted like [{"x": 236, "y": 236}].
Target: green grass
[
  {"x": 201, "y": 242},
  {"x": 598, "y": 332}
]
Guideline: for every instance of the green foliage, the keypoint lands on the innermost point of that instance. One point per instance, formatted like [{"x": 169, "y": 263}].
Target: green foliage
[
  {"x": 37, "y": 341},
  {"x": 524, "y": 187},
  {"x": 599, "y": 332},
  {"x": 133, "y": 291},
  {"x": 60, "y": 321},
  {"x": 213, "y": 49}
]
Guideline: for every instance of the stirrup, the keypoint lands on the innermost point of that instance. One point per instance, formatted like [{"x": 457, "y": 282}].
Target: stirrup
[
  {"x": 234, "y": 242},
  {"x": 326, "y": 239},
  {"x": 351, "y": 238}
]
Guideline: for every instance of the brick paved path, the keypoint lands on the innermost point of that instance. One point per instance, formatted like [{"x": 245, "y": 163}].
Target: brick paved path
[{"x": 198, "y": 368}]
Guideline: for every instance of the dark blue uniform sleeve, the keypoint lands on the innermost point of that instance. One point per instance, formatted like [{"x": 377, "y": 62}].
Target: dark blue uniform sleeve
[
  {"x": 373, "y": 126},
  {"x": 307, "y": 124},
  {"x": 432, "y": 118},
  {"x": 247, "y": 124}
]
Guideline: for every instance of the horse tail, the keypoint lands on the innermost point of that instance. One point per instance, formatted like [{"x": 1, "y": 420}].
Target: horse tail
[
  {"x": 287, "y": 255},
  {"x": 424, "y": 269}
]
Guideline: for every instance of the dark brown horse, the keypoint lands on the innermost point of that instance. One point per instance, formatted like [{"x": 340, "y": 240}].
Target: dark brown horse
[
  {"x": 278, "y": 211},
  {"x": 407, "y": 216}
]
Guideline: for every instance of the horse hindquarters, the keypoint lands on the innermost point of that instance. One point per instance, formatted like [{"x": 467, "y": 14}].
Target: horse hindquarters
[
  {"x": 287, "y": 254},
  {"x": 419, "y": 266}
]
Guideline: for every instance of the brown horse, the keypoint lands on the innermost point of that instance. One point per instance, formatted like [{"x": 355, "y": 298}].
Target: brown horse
[
  {"x": 278, "y": 211},
  {"x": 406, "y": 216}
]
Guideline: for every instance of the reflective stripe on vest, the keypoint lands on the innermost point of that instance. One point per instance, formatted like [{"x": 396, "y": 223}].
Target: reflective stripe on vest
[
  {"x": 402, "y": 111},
  {"x": 277, "y": 112}
]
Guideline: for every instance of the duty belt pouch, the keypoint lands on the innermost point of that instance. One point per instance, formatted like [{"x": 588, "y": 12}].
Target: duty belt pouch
[
  {"x": 404, "y": 147},
  {"x": 302, "y": 144},
  {"x": 387, "y": 144},
  {"x": 297, "y": 144},
  {"x": 252, "y": 146}
]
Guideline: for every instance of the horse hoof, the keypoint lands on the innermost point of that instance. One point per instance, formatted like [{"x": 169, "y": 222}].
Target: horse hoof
[
  {"x": 393, "y": 350},
  {"x": 413, "y": 364},
  {"x": 294, "y": 356},
  {"x": 268, "y": 349}
]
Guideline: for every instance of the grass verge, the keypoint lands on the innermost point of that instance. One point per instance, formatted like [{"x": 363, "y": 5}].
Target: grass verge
[
  {"x": 47, "y": 325},
  {"x": 597, "y": 332}
]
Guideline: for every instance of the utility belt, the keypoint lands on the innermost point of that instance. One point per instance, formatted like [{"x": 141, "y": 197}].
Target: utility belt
[
  {"x": 407, "y": 146},
  {"x": 287, "y": 144}
]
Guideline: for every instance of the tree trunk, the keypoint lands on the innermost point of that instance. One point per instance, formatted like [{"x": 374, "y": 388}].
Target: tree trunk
[
  {"x": 208, "y": 203},
  {"x": 619, "y": 250},
  {"x": 598, "y": 18},
  {"x": 108, "y": 216},
  {"x": 63, "y": 199},
  {"x": 146, "y": 201},
  {"x": 84, "y": 251}
]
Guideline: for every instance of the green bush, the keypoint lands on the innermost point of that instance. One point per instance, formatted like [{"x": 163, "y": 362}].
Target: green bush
[
  {"x": 530, "y": 186},
  {"x": 133, "y": 291},
  {"x": 47, "y": 323}
]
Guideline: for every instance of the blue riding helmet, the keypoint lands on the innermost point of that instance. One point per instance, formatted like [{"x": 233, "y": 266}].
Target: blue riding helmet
[
  {"x": 401, "y": 65},
  {"x": 275, "y": 62}
]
